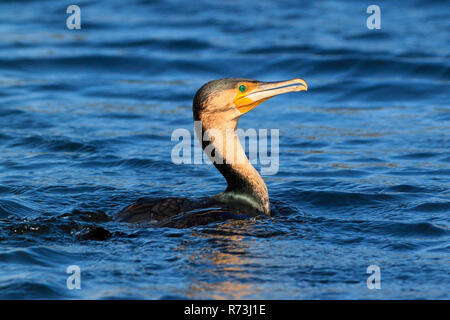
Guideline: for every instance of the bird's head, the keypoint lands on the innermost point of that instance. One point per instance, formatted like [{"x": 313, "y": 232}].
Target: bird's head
[{"x": 228, "y": 99}]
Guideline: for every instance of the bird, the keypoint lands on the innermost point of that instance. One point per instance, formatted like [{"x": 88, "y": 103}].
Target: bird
[{"x": 218, "y": 106}]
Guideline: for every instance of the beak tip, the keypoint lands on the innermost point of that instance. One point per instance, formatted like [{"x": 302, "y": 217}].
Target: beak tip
[{"x": 303, "y": 82}]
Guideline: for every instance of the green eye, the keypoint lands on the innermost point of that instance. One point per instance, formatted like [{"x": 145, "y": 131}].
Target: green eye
[{"x": 242, "y": 88}]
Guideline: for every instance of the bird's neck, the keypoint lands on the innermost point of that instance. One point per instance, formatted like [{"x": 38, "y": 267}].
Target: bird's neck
[{"x": 245, "y": 185}]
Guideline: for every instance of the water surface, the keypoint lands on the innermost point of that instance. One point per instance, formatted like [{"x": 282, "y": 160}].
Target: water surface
[{"x": 86, "y": 118}]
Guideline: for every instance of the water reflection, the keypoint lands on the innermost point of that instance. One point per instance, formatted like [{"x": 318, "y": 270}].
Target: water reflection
[{"x": 224, "y": 266}]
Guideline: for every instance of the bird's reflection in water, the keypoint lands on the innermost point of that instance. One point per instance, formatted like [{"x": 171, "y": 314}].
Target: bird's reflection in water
[{"x": 223, "y": 268}]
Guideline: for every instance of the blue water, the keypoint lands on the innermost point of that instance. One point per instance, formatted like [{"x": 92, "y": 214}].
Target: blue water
[{"x": 86, "y": 118}]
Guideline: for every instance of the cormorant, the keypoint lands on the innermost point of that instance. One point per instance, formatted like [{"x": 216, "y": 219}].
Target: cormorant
[{"x": 218, "y": 105}]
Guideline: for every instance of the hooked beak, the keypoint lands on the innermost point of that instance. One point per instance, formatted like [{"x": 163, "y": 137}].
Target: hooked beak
[{"x": 266, "y": 90}]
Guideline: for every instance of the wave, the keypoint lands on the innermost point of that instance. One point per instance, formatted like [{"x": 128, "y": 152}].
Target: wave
[{"x": 15, "y": 209}]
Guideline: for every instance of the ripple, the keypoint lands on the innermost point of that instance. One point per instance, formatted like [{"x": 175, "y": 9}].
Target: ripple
[
  {"x": 386, "y": 228},
  {"x": 336, "y": 173},
  {"x": 61, "y": 144},
  {"x": 14, "y": 290},
  {"x": 405, "y": 188},
  {"x": 424, "y": 229},
  {"x": 39, "y": 256},
  {"x": 339, "y": 199},
  {"x": 13, "y": 208},
  {"x": 417, "y": 156},
  {"x": 433, "y": 207},
  {"x": 181, "y": 45}
]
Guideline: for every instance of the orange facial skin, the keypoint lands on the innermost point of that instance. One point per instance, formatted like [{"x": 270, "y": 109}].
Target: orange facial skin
[{"x": 241, "y": 101}]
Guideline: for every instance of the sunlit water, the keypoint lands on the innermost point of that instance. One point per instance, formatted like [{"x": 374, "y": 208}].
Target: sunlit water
[{"x": 86, "y": 118}]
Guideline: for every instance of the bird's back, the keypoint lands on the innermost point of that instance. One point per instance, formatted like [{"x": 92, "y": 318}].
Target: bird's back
[{"x": 180, "y": 212}]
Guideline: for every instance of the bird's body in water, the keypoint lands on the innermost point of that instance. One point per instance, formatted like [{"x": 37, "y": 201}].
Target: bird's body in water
[{"x": 218, "y": 105}]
